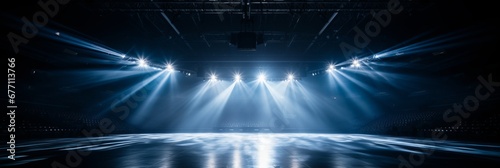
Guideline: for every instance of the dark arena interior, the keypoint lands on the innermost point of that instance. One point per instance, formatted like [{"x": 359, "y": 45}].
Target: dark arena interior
[{"x": 250, "y": 84}]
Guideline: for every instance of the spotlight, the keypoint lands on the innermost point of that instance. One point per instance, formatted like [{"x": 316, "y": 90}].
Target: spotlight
[
  {"x": 331, "y": 67},
  {"x": 123, "y": 55},
  {"x": 213, "y": 77},
  {"x": 58, "y": 34},
  {"x": 170, "y": 67},
  {"x": 142, "y": 63},
  {"x": 237, "y": 77},
  {"x": 290, "y": 77},
  {"x": 355, "y": 63},
  {"x": 261, "y": 77}
]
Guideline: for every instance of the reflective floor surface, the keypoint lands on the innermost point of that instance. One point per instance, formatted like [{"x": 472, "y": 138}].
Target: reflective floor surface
[{"x": 259, "y": 150}]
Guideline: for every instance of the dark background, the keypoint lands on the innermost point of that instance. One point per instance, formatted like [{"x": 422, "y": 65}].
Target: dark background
[{"x": 425, "y": 83}]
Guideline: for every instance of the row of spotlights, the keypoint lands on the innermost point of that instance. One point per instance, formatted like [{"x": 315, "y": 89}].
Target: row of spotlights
[
  {"x": 141, "y": 62},
  {"x": 261, "y": 77},
  {"x": 331, "y": 67}
]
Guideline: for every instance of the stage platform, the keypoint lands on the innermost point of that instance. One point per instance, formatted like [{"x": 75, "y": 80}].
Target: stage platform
[{"x": 254, "y": 150}]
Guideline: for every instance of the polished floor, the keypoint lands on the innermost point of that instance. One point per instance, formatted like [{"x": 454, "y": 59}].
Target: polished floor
[{"x": 254, "y": 150}]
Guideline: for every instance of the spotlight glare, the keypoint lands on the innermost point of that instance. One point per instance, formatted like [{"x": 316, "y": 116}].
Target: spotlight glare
[
  {"x": 170, "y": 67},
  {"x": 290, "y": 77},
  {"x": 237, "y": 77},
  {"x": 331, "y": 67},
  {"x": 142, "y": 63},
  {"x": 356, "y": 63},
  {"x": 213, "y": 77},
  {"x": 261, "y": 78}
]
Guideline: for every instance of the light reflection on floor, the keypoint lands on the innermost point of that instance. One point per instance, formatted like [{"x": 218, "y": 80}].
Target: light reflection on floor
[{"x": 241, "y": 150}]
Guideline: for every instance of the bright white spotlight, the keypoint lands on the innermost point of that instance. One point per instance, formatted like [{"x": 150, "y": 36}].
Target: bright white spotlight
[
  {"x": 237, "y": 77},
  {"x": 331, "y": 67},
  {"x": 142, "y": 63},
  {"x": 123, "y": 55},
  {"x": 290, "y": 77},
  {"x": 356, "y": 63},
  {"x": 261, "y": 77},
  {"x": 213, "y": 77},
  {"x": 170, "y": 67}
]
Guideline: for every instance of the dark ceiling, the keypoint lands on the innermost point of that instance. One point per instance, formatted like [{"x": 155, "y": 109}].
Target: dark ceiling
[
  {"x": 199, "y": 30},
  {"x": 296, "y": 31}
]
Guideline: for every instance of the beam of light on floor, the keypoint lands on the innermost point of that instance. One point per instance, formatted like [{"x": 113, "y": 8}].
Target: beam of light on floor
[
  {"x": 258, "y": 150},
  {"x": 265, "y": 152},
  {"x": 236, "y": 156},
  {"x": 211, "y": 160}
]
